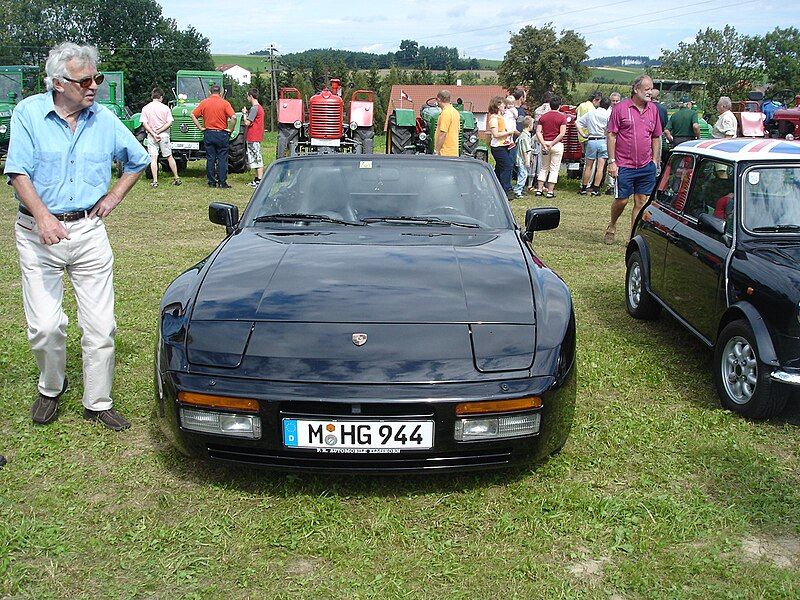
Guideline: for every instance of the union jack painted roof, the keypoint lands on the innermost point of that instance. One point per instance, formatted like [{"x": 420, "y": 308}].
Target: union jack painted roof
[{"x": 746, "y": 148}]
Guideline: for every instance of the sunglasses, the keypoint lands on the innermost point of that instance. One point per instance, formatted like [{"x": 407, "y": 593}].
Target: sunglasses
[{"x": 85, "y": 82}]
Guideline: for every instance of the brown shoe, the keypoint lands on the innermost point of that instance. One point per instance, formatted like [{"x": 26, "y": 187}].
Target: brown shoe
[
  {"x": 45, "y": 408},
  {"x": 608, "y": 238},
  {"x": 110, "y": 418}
]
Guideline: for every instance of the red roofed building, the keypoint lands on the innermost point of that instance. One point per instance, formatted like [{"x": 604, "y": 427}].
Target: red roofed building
[{"x": 475, "y": 97}]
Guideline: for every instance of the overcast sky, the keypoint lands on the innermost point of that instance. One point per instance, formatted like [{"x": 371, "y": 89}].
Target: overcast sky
[{"x": 479, "y": 29}]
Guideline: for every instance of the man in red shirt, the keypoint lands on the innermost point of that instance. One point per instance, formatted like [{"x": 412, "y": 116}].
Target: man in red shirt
[
  {"x": 254, "y": 119},
  {"x": 218, "y": 122},
  {"x": 634, "y": 146}
]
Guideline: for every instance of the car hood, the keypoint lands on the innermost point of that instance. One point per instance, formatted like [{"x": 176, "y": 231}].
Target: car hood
[
  {"x": 380, "y": 277},
  {"x": 366, "y": 307}
]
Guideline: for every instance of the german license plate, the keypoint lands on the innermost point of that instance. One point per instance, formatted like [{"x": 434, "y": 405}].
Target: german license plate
[
  {"x": 355, "y": 436},
  {"x": 185, "y": 145}
]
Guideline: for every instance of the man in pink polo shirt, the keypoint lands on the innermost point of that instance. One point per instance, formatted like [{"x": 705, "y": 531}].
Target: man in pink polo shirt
[{"x": 634, "y": 145}]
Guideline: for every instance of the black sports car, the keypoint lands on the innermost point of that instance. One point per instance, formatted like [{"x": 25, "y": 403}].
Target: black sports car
[{"x": 376, "y": 314}]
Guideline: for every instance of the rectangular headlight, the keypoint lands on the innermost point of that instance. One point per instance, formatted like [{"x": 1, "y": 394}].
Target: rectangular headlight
[
  {"x": 500, "y": 427},
  {"x": 206, "y": 421}
]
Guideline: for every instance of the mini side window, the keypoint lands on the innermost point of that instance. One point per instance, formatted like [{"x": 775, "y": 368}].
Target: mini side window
[
  {"x": 712, "y": 192},
  {"x": 673, "y": 187}
]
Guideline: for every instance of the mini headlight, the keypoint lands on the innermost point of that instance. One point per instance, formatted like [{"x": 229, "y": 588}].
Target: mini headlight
[
  {"x": 353, "y": 125},
  {"x": 298, "y": 124},
  {"x": 423, "y": 136}
]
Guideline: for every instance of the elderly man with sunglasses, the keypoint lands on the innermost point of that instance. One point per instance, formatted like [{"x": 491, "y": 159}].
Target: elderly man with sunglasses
[{"x": 59, "y": 164}]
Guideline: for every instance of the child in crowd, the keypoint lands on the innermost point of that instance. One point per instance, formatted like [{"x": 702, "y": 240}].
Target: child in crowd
[{"x": 523, "y": 156}]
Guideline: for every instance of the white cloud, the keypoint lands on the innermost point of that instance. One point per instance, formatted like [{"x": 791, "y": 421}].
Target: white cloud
[{"x": 611, "y": 44}]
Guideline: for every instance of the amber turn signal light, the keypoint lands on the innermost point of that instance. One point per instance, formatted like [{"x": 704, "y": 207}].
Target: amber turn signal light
[
  {"x": 498, "y": 406},
  {"x": 223, "y": 402}
]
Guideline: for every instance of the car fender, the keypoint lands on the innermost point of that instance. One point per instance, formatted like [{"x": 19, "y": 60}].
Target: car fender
[
  {"x": 637, "y": 244},
  {"x": 748, "y": 312}
]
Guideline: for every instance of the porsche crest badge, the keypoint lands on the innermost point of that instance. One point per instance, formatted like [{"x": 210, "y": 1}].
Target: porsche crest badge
[{"x": 359, "y": 339}]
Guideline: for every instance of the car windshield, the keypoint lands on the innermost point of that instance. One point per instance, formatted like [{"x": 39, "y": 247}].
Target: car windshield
[
  {"x": 772, "y": 199},
  {"x": 103, "y": 93},
  {"x": 379, "y": 191}
]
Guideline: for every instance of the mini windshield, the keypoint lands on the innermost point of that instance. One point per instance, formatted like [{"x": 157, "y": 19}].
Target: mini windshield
[
  {"x": 772, "y": 199},
  {"x": 10, "y": 83},
  {"x": 379, "y": 191},
  {"x": 104, "y": 89},
  {"x": 195, "y": 88}
]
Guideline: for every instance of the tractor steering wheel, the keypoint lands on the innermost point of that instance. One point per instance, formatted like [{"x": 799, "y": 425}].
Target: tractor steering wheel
[{"x": 432, "y": 102}]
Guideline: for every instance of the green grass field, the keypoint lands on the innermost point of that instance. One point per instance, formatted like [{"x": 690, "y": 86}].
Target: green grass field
[
  {"x": 250, "y": 62},
  {"x": 659, "y": 493}
]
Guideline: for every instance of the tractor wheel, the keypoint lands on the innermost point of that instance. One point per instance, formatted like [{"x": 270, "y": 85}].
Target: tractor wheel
[
  {"x": 237, "y": 154},
  {"x": 367, "y": 139},
  {"x": 401, "y": 139}
]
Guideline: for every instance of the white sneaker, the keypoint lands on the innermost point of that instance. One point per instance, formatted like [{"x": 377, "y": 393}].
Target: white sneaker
[{"x": 254, "y": 183}]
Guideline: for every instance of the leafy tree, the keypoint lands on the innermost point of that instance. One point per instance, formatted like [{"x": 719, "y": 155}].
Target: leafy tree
[
  {"x": 132, "y": 35},
  {"x": 542, "y": 60},
  {"x": 779, "y": 51},
  {"x": 722, "y": 58},
  {"x": 409, "y": 51}
]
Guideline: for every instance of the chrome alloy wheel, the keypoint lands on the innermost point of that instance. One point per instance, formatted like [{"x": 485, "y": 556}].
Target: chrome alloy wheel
[
  {"x": 635, "y": 285},
  {"x": 739, "y": 369}
]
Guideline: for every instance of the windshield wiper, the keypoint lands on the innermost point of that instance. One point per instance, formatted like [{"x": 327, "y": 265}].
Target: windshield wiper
[
  {"x": 292, "y": 217},
  {"x": 778, "y": 228},
  {"x": 418, "y": 221}
]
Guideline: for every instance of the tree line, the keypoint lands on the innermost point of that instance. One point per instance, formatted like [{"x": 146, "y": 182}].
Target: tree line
[{"x": 410, "y": 55}]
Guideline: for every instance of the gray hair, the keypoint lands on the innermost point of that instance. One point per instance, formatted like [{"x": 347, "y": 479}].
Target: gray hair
[
  {"x": 613, "y": 94},
  {"x": 725, "y": 102},
  {"x": 56, "y": 65},
  {"x": 444, "y": 95},
  {"x": 638, "y": 81}
]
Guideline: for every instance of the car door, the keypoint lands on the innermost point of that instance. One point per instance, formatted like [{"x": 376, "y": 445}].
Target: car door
[
  {"x": 661, "y": 216},
  {"x": 695, "y": 257}
]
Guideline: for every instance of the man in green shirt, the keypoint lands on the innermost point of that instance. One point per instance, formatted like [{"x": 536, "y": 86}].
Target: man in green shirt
[{"x": 683, "y": 125}]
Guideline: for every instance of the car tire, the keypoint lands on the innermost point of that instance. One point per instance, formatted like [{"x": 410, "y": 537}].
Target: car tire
[
  {"x": 639, "y": 302},
  {"x": 742, "y": 379}
]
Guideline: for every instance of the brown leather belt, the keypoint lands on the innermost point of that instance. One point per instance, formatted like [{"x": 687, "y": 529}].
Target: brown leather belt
[{"x": 67, "y": 217}]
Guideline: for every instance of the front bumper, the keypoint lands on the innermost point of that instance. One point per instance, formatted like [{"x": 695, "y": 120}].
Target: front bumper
[{"x": 337, "y": 401}]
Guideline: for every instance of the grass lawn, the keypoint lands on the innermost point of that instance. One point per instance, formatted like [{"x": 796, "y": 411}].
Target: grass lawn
[{"x": 659, "y": 493}]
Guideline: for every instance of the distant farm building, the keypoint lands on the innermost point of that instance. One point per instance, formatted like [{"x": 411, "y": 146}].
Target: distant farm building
[{"x": 239, "y": 74}]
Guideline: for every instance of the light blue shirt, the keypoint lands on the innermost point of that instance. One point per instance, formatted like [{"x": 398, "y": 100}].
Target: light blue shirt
[{"x": 70, "y": 171}]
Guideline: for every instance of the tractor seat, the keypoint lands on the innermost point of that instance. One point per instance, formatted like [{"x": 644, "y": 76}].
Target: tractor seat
[{"x": 752, "y": 124}]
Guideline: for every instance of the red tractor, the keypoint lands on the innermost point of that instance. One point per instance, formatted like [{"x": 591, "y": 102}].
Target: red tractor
[
  {"x": 573, "y": 151},
  {"x": 326, "y": 130},
  {"x": 787, "y": 121}
]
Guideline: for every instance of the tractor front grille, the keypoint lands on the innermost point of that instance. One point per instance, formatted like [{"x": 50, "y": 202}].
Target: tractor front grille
[
  {"x": 184, "y": 130},
  {"x": 325, "y": 121}
]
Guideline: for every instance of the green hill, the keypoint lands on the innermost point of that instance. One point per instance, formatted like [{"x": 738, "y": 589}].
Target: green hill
[
  {"x": 615, "y": 74},
  {"x": 249, "y": 62}
]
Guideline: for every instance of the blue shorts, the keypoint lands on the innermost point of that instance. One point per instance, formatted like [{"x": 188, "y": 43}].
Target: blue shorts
[
  {"x": 596, "y": 149},
  {"x": 635, "y": 181}
]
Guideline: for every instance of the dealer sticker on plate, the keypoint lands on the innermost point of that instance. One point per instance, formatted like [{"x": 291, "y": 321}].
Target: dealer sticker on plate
[{"x": 358, "y": 436}]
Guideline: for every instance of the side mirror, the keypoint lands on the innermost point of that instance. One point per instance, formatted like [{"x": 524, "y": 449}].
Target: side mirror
[
  {"x": 540, "y": 219},
  {"x": 711, "y": 224},
  {"x": 223, "y": 213}
]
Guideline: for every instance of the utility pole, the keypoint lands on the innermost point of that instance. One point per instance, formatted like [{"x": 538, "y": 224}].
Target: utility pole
[{"x": 273, "y": 87}]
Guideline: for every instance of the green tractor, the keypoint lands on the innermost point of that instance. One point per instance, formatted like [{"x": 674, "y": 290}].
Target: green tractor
[
  {"x": 111, "y": 94},
  {"x": 672, "y": 91},
  {"x": 186, "y": 140},
  {"x": 16, "y": 82},
  {"x": 411, "y": 134}
]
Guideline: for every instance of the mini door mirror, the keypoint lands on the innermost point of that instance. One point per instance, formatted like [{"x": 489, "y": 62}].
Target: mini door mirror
[{"x": 711, "y": 224}]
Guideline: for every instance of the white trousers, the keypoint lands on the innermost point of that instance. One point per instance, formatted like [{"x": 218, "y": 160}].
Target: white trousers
[
  {"x": 87, "y": 258},
  {"x": 551, "y": 163}
]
